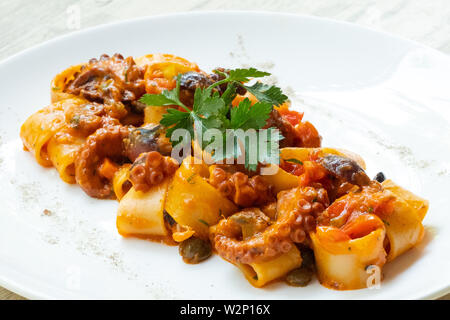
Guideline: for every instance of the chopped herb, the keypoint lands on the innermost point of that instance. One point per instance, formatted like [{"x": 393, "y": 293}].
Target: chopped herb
[
  {"x": 294, "y": 161},
  {"x": 56, "y": 88},
  {"x": 255, "y": 277},
  {"x": 125, "y": 74},
  {"x": 370, "y": 210},
  {"x": 75, "y": 121},
  {"x": 386, "y": 222},
  {"x": 105, "y": 85},
  {"x": 189, "y": 180},
  {"x": 204, "y": 222}
]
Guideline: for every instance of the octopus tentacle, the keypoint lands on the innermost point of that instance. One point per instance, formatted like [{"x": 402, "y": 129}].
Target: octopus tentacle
[
  {"x": 243, "y": 190},
  {"x": 106, "y": 142},
  {"x": 296, "y": 211}
]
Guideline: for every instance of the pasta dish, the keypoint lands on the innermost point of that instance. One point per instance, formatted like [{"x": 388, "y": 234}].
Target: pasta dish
[{"x": 219, "y": 163}]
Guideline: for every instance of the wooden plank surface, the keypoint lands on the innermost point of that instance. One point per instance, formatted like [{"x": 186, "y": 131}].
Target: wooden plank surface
[{"x": 25, "y": 23}]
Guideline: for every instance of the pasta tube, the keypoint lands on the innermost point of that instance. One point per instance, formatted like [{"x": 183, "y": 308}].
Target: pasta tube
[
  {"x": 60, "y": 82},
  {"x": 193, "y": 202},
  {"x": 404, "y": 227},
  {"x": 41, "y": 126},
  {"x": 305, "y": 153},
  {"x": 142, "y": 213},
  {"x": 62, "y": 151},
  {"x": 343, "y": 264},
  {"x": 121, "y": 184},
  {"x": 259, "y": 274},
  {"x": 283, "y": 180}
]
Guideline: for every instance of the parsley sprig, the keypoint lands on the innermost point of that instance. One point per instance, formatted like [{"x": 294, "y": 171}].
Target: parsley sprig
[{"x": 212, "y": 110}]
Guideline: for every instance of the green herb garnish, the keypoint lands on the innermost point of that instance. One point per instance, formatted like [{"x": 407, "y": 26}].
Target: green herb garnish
[
  {"x": 294, "y": 161},
  {"x": 204, "y": 222},
  {"x": 214, "y": 111}
]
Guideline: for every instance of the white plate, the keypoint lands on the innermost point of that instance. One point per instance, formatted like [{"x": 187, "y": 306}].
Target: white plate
[{"x": 383, "y": 97}]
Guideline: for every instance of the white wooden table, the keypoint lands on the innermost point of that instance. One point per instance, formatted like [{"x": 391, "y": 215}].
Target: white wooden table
[{"x": 25, "y": 23}]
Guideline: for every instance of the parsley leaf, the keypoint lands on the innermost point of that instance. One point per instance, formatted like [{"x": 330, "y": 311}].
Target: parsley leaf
[
  {"x": 245, "y": 116},
  {"x": 272, "y": 153},
  {"x": 244, "y": 75},
  {"x": 230, "y": 93},
  {"x": 208, "y": 106},
  {"x": 166, "y": 98},
  {"x": 266, "y": 93},
  {"x": 175, "y": 119},
  {"x": 163, "y": 99},
  {"x": 173, "y": 116}
]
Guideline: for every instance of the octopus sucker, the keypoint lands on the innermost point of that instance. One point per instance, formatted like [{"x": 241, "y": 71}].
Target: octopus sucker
[
  {"x": 105, "y": 143},
  {"x": 151, "y": 168}
]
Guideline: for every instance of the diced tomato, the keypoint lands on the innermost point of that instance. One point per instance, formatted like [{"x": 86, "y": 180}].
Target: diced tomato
[
  {"x": 331, "y": 234},
  {"x": 158, "y": 85},
  {"x": 108, "y": 169},
  {"x": 292, "y": 116},
  {"x": 313, "y": 172},
  {"x": 336, "y": 208},
  {"x": 239, "y": 98},
  {"x": 308, "y": 135},
  {"x": 291, "y": 167},
  {"x": 361, "y": 225}
]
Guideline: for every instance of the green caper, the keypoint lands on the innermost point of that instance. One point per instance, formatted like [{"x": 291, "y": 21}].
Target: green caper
[
  {"x": 299, "y": 277},
  {"x": 195, "y": 250}
]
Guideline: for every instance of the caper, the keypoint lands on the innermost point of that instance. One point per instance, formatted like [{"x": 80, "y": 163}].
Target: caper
[
  {"x": 195, "y": 250},
  {"x": 380, "y": 177},
  {"x": 299, "y": 277}
]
